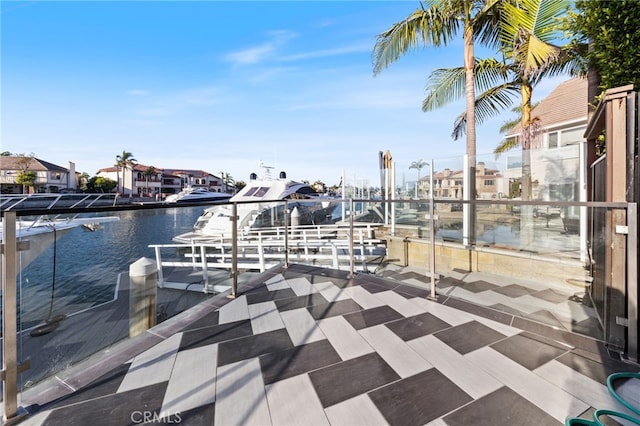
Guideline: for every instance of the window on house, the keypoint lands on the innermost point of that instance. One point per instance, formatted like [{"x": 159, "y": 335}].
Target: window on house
[
  {"x": 56, "y": 176},
  {"x": 553, "y": 140},
  {"x": 563, "y": 192},
  {"x": 489, "y": 182},
  {"x": 514, "y": 162},
  {"x": 572, "y": 137},
  {"x": 457, "y": 182}
]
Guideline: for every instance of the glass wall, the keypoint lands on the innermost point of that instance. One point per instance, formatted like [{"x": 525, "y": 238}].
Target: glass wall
[{"x": 74, "y": 284}]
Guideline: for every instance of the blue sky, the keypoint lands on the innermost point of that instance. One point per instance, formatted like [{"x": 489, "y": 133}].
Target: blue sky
[{"x": 221, "y": 86}]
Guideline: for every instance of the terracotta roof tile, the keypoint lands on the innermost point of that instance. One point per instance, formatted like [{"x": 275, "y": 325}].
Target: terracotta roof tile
[{"x": 567, "y": 102}]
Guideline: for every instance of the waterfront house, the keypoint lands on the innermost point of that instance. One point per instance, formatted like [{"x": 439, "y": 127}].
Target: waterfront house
[
  {"x": 558, "y": 163},
  {"x": 449, "y": 183},
  {"x": 134, "y": 181},
  {"x": 49, "y": 177}
]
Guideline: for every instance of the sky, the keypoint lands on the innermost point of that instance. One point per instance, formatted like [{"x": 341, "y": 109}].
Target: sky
[{"x": 222, "y": 86}]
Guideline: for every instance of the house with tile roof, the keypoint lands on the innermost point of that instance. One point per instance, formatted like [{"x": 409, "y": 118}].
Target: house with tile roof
[
  {"x": 449, "y": 183},
  {"x": 558, "y": 162},
  {"x": 50, "y": 178},
  {"x": 135, "y": 182}
]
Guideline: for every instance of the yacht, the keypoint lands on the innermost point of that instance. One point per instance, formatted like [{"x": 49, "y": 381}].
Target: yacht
[
  {"x": 198, "y": 195},
  {"x": 259, "y": 204}
]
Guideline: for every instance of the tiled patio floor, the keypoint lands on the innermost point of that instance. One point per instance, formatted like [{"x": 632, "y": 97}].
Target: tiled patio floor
[{"x": 309, "y": 346}]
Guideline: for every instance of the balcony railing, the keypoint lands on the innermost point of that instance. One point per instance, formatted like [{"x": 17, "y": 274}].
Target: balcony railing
[{"x": 76, "y": 297}]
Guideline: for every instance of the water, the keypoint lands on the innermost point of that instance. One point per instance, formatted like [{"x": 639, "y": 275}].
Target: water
[{"x": 88, "y": 263}]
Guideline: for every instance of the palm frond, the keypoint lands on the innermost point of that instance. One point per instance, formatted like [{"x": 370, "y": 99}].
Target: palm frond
[
  {"x": 444, "y": 86},
  {"x": 488, "y": 104},
  {"x": 506, "y": 145},
  {"x": 490, "y": 73},
  {"x": 509, "y": 124},
  {"x": 527, "y": 30},
  {"x": 486, "y": 22},
  {"x": 431, "y": 26}
]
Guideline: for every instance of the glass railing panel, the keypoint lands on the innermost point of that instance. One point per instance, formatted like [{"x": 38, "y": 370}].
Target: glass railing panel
[
  {"x": 73, "y": 284},
  {"x": 449, "y": 224},
  {"x": 78, "y": 283},
  {"x": 554, "y": 272},
  {"x": 546, "y": 229}
]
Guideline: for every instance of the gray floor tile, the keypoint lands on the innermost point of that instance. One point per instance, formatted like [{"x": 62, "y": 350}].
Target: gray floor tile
[
  {"x": 300, "y": 302},
  {"x": 240, "y": 398},
  {"x": 297, "y": 360},
  {"x": 357, "y": 411},
  {"x": 301, "y": 326},
  {"x": 502, "y": 407},
  {"x": 550, "y": 398},
  {"x": 374, "y": 287},
  {"x": 114, "y": 409},
  {"x": 102, "y": 386},
  {"x": 190, "y": 388},
  {"x": 203, "y": 415},
  {"x": 253, "y": 346},
  {"x": 267, "y": 296},
  {"x": 208, "y": 320},
  {"x": 418, "y": 399},
  {"x": 513, "y": 290},
  {"x": 236, "y": 310},
  {"x": 552, "y": 296},
  {"x": 594, "y": 367},
  {"x": 529, "y": 351},
  {"x": 410, "y": 291},
  {"x": 482, "y": 311},
  {"x": 417, "y": 326},
  {"x": 371, "y": 317},
  {"x": 469, "y": 336},
  {"x": 478, "y": 286},
  {"x": 219, "y": 333},
  {"x": 265, "y": 317},
  {"x": 153, "y": 365},
  {"x": 344, "y": 338},
  {"x": 347, "y": 379},
  {"x": 395, "y": 351},
  {"x": 328, "y": 310},
  {"x": 294, "y": 402}
]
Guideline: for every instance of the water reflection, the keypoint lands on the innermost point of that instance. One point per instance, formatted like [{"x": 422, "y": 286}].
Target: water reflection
[{"x": 88, "y": 263}]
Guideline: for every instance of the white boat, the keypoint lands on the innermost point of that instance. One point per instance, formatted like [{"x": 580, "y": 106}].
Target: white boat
[
  {"x": 258, "y": 206},
  {"x": 43, "y": 232},
  {"x": 198, "y": 195}
]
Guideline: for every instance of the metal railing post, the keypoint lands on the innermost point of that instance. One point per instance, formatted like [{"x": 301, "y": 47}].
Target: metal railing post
[
  {"x": 351, "y": 255},
  {"x": 234, "y": 250},
  {"x": 286, "y": 234},
  {"x": 159, "y": 266},
  {"x": 9, "y": 317},
  {"x": 632, "y": 282},
  {"x": 205, "y": 268},
  {"x": 432, "y": 234}
]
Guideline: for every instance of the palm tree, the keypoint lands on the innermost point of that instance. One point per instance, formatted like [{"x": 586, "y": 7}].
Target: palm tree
[
  {"x": 418, "y": 165},
  {"x": 527, "y": 39},
  {"x": 435, "y": 24},
  {"x": 148, "y": 173},
  {"x": 528, "y": 30},
  {"x": 124, "y": 161}
]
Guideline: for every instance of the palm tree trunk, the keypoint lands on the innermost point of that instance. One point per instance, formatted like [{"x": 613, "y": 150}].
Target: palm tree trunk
[
  {"x": 526, "y": 212},
  {"x": 470, "y": 192},
  {"x": 525, "y": 92}
]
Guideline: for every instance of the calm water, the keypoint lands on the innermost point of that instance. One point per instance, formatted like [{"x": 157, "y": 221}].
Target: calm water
[{"x": 88, "y": 263}]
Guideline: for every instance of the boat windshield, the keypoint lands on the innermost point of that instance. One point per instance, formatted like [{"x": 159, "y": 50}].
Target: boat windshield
[{"x": 257, "y": 191}]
